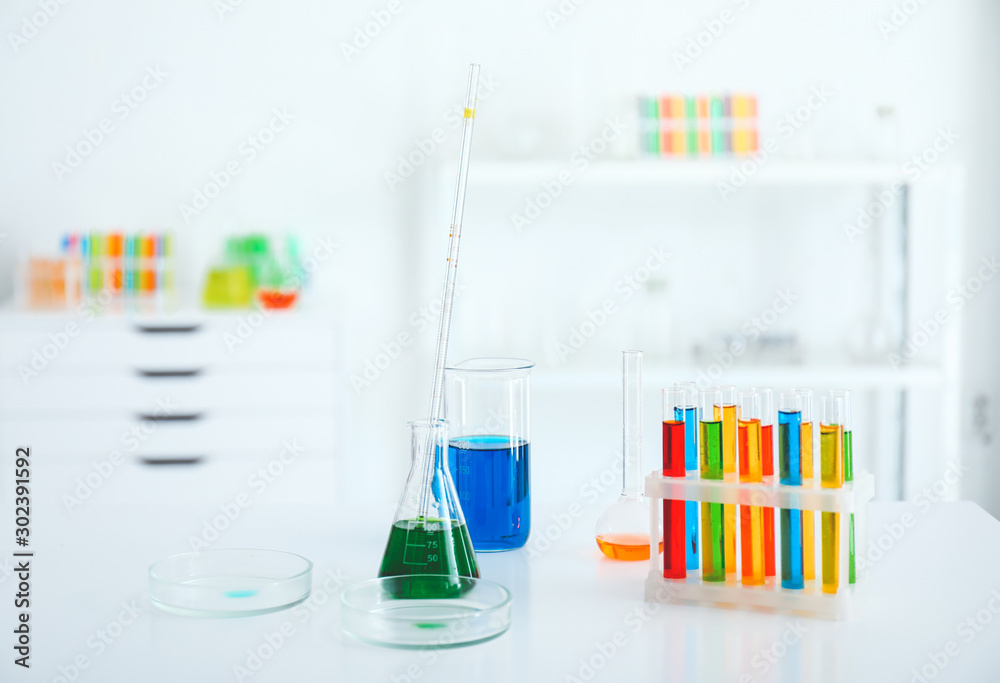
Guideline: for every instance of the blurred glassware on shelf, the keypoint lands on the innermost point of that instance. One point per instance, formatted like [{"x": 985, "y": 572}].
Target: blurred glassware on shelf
[
  {"x": 252, "y": 270},
  {"x": 115, "y": 269}
]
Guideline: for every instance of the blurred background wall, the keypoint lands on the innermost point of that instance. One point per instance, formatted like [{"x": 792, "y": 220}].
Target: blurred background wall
[{"x": 363, "y": 86}]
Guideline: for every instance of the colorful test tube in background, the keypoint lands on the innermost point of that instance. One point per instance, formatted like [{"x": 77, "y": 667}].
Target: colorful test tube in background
[
  {"x": 848, "y": 475},
  {"x": 690, "y": 417},
  {"x": 831, "y": 476},
  {"x": 713, "y": 567},
  {"x": 808, "y": 516},
  {"x": 674, "y": 527},
  {"x": 751, "y": 472},
  {"x": 691, "y": 128},
  {"x": 726, "y": 411},
  {"x": 767, "y": 467},
  {"x": 718, "y": 123},
  {"x": 790, "y": 473},
  {"x": 649, "y": 108},
  {"x": 114, "y": 255}
]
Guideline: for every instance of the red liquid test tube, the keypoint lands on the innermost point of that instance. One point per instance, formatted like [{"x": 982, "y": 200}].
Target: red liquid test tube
[
  {"x": 674, "y": 532},
  {"x": 767, "y": 466}
]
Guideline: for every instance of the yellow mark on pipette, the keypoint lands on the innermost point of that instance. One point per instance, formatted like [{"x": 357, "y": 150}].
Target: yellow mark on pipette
[{"x": 470, "y": 113}]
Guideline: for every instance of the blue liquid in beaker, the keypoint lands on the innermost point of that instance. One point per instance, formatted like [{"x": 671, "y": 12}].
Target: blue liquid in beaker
[{"x": 491, "y": 477}]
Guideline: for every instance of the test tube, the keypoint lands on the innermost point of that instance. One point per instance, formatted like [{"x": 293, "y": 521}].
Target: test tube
[
  {"x": 690, "y": 412},
  {"x": 713, "y": 566},
  {"x": 767, "y": 467},
  {"x": 848, "y": 475},
  {"x": 790, "y": 474},
  {"x": 751, "y": 517},
  {"x": 726, "y": 410},
  {"x": 831, "y": 473},
  {"x": 808, "y": 516},
  {"x": 674, "y": 452}
]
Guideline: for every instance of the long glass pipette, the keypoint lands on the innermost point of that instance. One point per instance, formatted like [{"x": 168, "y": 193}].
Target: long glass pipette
[{"x": 451, "y": 269}]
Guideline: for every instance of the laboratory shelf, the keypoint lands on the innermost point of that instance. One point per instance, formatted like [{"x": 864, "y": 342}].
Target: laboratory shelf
[
  {"x": 857, "y": 377},
  {"x": 689, "y": 172}
]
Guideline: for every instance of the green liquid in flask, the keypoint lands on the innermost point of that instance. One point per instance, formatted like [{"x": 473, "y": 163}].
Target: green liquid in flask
[{"x": 434, "y": 547}]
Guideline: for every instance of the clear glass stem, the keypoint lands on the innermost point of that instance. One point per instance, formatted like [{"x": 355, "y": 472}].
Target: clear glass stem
[
  {"x": 448, "y": 295},
  {"x": 632, "y": 423}
]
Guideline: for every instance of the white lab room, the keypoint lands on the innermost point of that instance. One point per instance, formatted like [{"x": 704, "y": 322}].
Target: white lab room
[{"x": 560, "y": 340}]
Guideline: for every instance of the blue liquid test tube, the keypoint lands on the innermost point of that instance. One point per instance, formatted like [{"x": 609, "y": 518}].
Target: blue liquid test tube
[
  {"x": 790, "y": 474},
  {"x": 690, "y": 417}
]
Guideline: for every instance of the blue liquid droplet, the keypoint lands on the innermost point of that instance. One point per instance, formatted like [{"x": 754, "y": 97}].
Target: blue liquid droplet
[{"x": 240, "y": 594}]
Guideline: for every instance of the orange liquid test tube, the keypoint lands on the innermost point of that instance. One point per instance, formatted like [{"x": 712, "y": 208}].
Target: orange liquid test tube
[
  {"x": 751, "y": 517},
  {"x": 727, "y": 413},
  {"x": 831, "y": 466}
]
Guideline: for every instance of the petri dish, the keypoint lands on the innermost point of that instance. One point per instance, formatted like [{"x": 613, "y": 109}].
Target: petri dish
[
  {"x": 371, "y": 613},
  {"x": 230, "y": 582}
]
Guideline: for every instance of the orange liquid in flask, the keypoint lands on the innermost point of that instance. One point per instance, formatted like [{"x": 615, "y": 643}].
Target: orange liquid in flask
[{"x": 626, "y": 546}]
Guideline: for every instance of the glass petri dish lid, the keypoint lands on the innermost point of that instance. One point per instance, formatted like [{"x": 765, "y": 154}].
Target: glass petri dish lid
[
  {"x": 230, "y": 582},
  {"x": 380, "y": 611}
]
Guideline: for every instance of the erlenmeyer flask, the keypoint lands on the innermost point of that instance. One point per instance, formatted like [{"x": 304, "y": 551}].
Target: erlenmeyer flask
[{"x": 428, "y": 534}]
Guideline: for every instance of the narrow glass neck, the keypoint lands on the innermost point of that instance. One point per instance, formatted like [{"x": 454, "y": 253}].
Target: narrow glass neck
[{"x": 632, "y": 423}]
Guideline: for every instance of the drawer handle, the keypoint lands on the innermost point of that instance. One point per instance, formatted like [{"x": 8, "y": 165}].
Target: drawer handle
[
  {"x": 172, "y": 460},
  {"x": 191, "y": 372},
  {"x": 174, "y": 417},
  {"x": 168, "y": 329}
]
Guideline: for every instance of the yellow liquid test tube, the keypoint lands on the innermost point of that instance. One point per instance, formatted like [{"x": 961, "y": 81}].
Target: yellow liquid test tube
[
  {"x": 727, "y": 413},
  {"x": 751, "y": 471},
  {"x": 831, "y": 465},
  {"x": 808, "y": 516}
]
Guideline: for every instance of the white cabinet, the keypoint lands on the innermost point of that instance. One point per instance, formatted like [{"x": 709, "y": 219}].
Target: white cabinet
[{"x": 196, "y": 390}]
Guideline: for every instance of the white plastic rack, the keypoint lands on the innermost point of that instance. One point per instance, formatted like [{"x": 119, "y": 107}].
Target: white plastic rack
[{"x": 810, "y": 601}]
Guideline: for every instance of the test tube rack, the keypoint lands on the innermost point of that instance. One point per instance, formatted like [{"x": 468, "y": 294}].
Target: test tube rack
[{"x": 809, "y": 601}]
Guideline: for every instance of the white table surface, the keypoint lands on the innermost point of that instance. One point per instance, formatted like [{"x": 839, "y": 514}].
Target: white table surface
[{"x": 567, "y": 603}]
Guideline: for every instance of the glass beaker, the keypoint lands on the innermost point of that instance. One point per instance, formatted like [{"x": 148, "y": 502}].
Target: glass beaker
[
  {"x": 428, "y": 534},
  {"x": 487, "y": 406}
]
